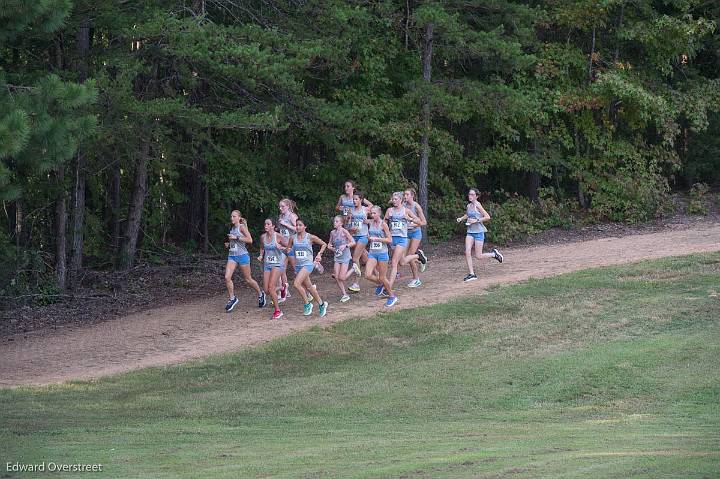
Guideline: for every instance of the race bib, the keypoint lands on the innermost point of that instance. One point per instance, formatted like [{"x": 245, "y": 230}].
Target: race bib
[
  {"x": 234, "y": 246},
  {"x": 376, "y": 245},
  {"x": 284, "y": 231},
  {"x": 338, "y": 252},
  {"x": 345, "y": 210},
  {"x": 301, "y": 254},
  {"x": 396, "y": 225},
  {"x": 272, "y": 259},
  {"x": 356, "y": 224}
]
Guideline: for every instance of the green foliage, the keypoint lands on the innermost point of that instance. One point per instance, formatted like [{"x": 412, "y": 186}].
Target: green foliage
[
  {"x": 32, "y": 18},
  {"x": 609, "y": 102},
  {"x": 517, "y": 217},
  {"x": 632, "y": 194},
  {"x": 698, "y": 199},
  {"x": 702, "y": 161}
]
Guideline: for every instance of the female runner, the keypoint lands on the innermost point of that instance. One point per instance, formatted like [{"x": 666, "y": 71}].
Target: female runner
[
  {"x": 340, "y": 243},
  {"x": 398, "y": 216},
  {"x": 238, "y": 239},
  {"x": 286, "y": 226},
  {"x": 357, "y": 225},
  {"x": 414, "y": 236},
  {"x": 378, "y": 240},
  {"x": 273, "y": 257},
  {"x": 474, "y": 217},
  {"x": 301, "y": 244}
]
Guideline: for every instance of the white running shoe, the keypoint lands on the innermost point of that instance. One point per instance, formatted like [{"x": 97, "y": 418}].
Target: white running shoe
[
  {"x": 356, "y": 269},
  {"x": 354, "y": 288},
  {"x": 344, "y": 298},
  {"x": 414, "y": 283}
]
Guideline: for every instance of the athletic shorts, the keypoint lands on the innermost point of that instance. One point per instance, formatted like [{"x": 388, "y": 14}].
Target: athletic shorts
[
  {"x": 380, "y": 257},
  {"x": 399, "y": 240},
  {"x": 268, "y": 267},
  {"x": 309, "y": 267},
  {"x": 290, "y": 253},
  {"x": 242, "y": 260},
  {"x": 361, "y": 239},
  {"x": 477, "y": 236},
  {"x": 417, "y": 234}
]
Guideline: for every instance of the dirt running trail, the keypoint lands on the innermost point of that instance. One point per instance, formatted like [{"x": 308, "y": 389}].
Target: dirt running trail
[{"x": 197, "y": 329}]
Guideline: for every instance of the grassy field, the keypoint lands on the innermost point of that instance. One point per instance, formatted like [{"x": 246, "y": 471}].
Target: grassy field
[{"x": 602, "y": 373}]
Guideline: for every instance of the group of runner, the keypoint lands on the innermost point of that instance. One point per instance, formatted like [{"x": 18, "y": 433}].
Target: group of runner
[{"x": 361, "y": 233}]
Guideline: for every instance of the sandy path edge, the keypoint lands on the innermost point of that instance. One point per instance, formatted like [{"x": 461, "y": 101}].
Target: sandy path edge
[{"x": 198, "y": 329}]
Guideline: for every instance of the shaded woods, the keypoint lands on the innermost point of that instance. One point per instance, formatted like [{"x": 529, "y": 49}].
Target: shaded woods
[{"x": 129, "y": 130}]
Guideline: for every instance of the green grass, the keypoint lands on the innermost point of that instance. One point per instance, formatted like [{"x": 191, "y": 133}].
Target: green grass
[{"x": 601, "y": 373}]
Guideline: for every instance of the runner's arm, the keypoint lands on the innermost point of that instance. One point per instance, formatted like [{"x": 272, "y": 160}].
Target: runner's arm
[
  {"x": 247, "y": 238},
  {"x": 388, "y": 238},
  {"x": 262, "y": 249},
  {"x": 351, "y": 240},
  {"x": 323, "y": 246},
  {"x": 421, "y": 216},
  {"x": 486, "y": 215},
  {"x": 412, "y": 218},
  {"x": 281, "y": 240}
]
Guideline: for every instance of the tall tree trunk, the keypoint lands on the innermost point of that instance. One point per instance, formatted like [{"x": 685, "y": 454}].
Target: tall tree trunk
[
  {"x": 616, "y": 56},
  {"x": 60, "y": 231},
  {"x": 407, "y": 24},
  {"x": 115, "y": 208},
  {"x": 82, "y": 43},
  {"x": 136, "y": 209},
  {"x": 592, "y": 53},
  {"x": 196, "y": 198},
  {"x": 425, "y": 142},
  {"x": 18, "y": 232},
  {"x": 61, "y": 214},
  {"x": 531, "y": 179},
  {"x": 199, "y": 7},
  {"x": 582, "y": 199},
  {"x": 77, "y": 219},
  {"x": 206, "y": 207}
]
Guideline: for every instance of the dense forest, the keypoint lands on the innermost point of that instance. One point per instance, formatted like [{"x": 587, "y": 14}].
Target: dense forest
[{"x": 132, "y": 128}]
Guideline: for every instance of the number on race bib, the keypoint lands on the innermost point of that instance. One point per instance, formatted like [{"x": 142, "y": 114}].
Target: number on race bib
[
  {"x": 396, "y": 225},
  {"x": 284, "y": 231},
  {"x": 355, "y": 224},
  {"x": 301, "y": 254},
  {"x": 338, "y": 252},
  {"x": 376, "y": 245},
  {"x": 345, "y": 210},
  {"x": 272, "y": 259}
]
